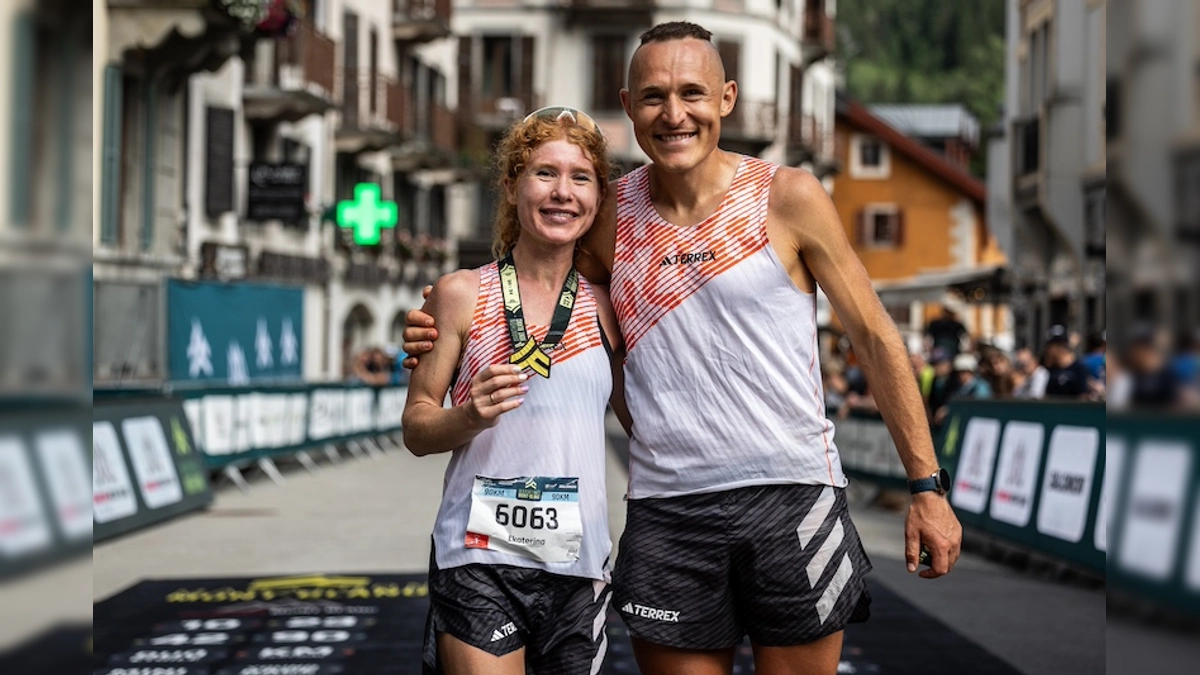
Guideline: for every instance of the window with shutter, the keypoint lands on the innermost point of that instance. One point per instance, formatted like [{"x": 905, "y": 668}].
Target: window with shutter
[
  {"x": 881, "y": 226},
  {"x": 110, "y": 177}
]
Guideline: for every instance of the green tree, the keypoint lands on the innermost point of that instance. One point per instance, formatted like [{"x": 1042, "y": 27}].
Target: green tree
[{"x": 925, "y": 51}]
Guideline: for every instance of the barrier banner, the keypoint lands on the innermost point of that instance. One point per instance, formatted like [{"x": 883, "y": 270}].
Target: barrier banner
[
  {"x": 234, "y": 333},
  {"x": 45, "y": 503},
  {"x": 867, "y": 450},
  {"x": 1030, "y": 473},
  {"x": 145, "y": 465},
  {"x": 1151, "y": 510},
  {"x": 238, "y": 425}
]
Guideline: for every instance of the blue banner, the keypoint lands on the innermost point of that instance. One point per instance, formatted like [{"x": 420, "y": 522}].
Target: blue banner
[{"x": 234, "y": 334}]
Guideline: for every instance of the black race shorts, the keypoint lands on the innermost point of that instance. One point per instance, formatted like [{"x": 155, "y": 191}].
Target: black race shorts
[
  {"x": 559, "y": 620},
  {"x": 780, "y": 563}
]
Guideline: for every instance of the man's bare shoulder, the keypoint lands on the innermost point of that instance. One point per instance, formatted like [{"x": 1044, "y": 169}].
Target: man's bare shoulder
[{"x": 800, "y": 203}]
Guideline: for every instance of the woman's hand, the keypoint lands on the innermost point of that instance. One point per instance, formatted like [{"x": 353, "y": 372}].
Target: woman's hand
[{"x": 494, "y": 391}]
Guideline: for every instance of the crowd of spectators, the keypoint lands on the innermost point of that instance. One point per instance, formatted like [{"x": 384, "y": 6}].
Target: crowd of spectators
[{"x": 952, "y": 366}]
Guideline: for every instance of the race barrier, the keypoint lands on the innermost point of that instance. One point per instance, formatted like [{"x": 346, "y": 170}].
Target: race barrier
[
  {"x": 1030, "y": 473},
  {"x": 867, "y": 450},
  {"x": 45, "y": 512},
  {"x": 241, "y": 425},
  {"x": 145, "y": 465},
  {"x": 167, "y": 446},
  {"x": 1155, "y": 551}
]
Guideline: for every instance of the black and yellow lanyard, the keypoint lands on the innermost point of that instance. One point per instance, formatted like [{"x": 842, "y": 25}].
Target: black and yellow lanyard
[{"x": 527, "y": 353}]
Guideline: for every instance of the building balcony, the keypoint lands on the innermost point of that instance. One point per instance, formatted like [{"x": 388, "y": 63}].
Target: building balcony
[
  {"x": 379, "y": 124},
  {"x": 289, "y": 78},
  {"x": 399, "y": 107},
  {"x": 609, "y": 13},
  {"x": 433, "y": 143},
  {"x": 820, "y": 34},
  {"x": 751, "y": 127},
  {"x": 415, "y": 21},
  {"x": 809, "y": 141}
]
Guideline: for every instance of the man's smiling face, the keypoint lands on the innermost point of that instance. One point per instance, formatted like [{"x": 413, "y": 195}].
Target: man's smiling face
[{"x": 676, "y": 98}]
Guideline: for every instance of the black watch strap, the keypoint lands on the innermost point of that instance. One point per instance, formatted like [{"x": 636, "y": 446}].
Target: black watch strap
[{"x": 939, "y": 482}]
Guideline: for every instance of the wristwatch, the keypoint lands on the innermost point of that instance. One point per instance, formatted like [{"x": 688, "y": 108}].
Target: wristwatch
[{"x": 939, "y": 482}]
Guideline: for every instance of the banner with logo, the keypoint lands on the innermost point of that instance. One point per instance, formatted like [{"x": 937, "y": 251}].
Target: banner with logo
[
  {"x": 1030, "y": 473},
  {"x": 234, "y": 334},
  {"x": 1151, "y": 512},
  {"x": 45, "y": 503},
  {"x": 145, "y": 465},
  {"x": 236, "y": 425}
]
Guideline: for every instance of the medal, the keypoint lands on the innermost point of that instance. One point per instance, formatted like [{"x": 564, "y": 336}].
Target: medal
[{"x": 527, "y": 352}]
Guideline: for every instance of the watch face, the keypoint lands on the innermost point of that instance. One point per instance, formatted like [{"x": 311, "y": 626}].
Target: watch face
[{"x": 943, "y": 480}]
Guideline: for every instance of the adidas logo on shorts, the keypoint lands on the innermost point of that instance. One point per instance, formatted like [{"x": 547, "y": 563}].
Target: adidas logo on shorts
[
  {"x": 651, "y": 613},
  {"x": 503, "y": 631}
]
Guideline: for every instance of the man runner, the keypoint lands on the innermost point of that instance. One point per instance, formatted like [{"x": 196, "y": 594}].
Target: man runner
[{"x": 737, "y": 522}]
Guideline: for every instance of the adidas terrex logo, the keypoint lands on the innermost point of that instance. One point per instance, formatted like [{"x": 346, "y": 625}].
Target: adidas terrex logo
[
  {"x": 503, "y": 631},
  {"x": 688, "y": 258},
  {"x": 651, "y": 613}
]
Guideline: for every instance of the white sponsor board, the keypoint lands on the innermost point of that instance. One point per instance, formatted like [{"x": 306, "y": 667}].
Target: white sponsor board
[
  {"x": 60, "y": 452},
  {"x": 112, "y": 490},
  {"x": 975, "y": 461},
  {"x": 390, "y": 409},
  {"x": 245, "y": 409},
  {"x": 1114, "y": 469},
  {"x": 1016, "y": 472},
  {"x": 297, "y": 418},
  {"x": 336, "y": 400},
  {"x": 24, "y": 528},
  {"x": 360, "y": 410},
  {"x": 194, "y": 409},
  {"x": 1154, "y": 509},
  {"x": 865, "y": 445},
  {"x": 1192, "y": 575},
  {"x": 268, "y": 427},
  {"x": 1067, "y": 483},
  {"x": 218, "y": 424},
  {"x": 152, "y": 462},
  {"x": 320, "y": 421}
]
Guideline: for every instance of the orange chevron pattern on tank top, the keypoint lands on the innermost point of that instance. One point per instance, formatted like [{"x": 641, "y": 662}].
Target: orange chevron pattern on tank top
[
  {"x": 488, "y": 343},
  {"x": 659, "y": 265}
]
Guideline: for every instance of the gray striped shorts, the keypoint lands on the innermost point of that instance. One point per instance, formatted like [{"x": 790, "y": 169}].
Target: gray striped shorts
[{"x": 780, "y": 563}]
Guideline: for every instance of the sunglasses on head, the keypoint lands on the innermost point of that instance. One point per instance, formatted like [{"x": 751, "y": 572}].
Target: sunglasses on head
[{"x": 558, "y": 112}]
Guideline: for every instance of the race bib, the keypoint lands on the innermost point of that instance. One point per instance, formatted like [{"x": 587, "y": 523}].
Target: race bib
[{"x": 534, "y": 516}]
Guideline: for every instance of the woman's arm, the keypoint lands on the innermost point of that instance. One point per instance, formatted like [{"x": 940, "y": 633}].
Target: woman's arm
[{"x": 428, "y": 427}]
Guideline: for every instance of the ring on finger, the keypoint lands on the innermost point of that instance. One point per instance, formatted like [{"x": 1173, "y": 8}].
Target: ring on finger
[{"x": 492, "y": 398}]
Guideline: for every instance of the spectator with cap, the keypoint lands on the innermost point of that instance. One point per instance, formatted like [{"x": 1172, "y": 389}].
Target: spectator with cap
[
  {"x": 1068, "y": 377},
  {"x": 967, "y": 384}
]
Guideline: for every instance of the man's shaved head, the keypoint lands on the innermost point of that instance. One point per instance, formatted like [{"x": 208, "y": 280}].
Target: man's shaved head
[{"x": 675, "y": 30}]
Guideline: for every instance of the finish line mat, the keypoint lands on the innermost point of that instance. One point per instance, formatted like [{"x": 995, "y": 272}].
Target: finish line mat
[{"x": 373, "y": 625}]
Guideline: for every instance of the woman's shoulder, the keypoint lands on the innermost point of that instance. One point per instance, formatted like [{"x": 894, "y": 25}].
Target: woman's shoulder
[{"x": 454, "y": 296}]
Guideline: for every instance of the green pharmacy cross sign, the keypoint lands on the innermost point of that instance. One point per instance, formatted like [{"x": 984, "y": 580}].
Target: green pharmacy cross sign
[{"x": 367, "y": 214}]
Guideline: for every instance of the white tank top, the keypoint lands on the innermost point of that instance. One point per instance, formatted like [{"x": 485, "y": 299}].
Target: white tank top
[
  {"x": 557, "y": 432},
  {"x": 721, "y": 375}
]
